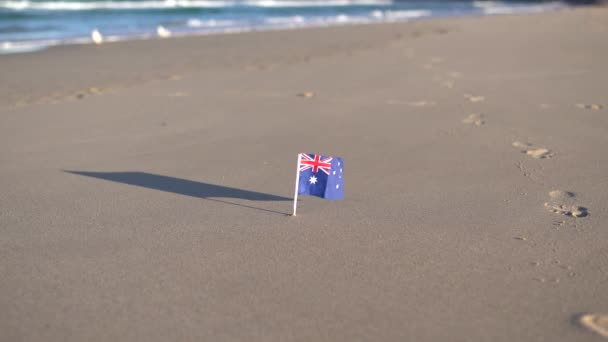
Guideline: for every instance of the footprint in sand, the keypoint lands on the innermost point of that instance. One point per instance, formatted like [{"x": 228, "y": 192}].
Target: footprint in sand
[
  {"x": 552, "y": 270},
  {"x": 474, "y": 119},
  {"x": 422, "y": 103},
  {"x": 173, "y": 77},
  {"x": 79, "y": 94},
  {"x": 563, "y": 203},
  {"x": 448, "y": 84},
  {"x": 306, "y": 94},
  {"x": 179, "y": 94},
  {"x": 595, "y": 322},
  {"x": 450, "y": 80},
  {"x": 536, "y": 153},
  {"x": 589, "y": 106},
  {"x": 474, "y": 98},
  {"x": 94, "y": 90},
  {"x": 539, "y": 153},
  {"x": 454, "y": 74}
]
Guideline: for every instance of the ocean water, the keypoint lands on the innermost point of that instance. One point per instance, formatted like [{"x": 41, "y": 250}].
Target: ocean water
[{"x": 29, "y": 25}]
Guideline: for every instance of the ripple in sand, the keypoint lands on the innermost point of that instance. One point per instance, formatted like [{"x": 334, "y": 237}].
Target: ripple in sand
[
  {"x": 474, "y": 98},
  {"x": 563, "y": 203},
  {"x": 474, "y": 119},
  {"x": 596, "y": 322}
]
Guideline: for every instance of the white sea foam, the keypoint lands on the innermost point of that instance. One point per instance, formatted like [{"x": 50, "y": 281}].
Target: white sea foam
[
  {"x": 287, "y": 20},
  {"x": 167, "y": 4},
  {"x": 299, "y": 21},
  {"x": 21, "y": 47},
  {"x": 400, "y": 15},
  {"x": 499, "y": 7},
  {"x": 197, "y": 23}
]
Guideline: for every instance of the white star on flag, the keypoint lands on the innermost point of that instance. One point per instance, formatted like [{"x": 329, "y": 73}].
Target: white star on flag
[{"x": 313, "y": 180}]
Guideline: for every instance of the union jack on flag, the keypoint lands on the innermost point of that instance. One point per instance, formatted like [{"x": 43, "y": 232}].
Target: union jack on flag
[
  {"x": 307, "y": 162},
  {"x": 321, "y": 176}
]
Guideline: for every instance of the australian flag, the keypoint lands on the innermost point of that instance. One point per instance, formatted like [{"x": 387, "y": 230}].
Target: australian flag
[{"x": 321, "y": 176}]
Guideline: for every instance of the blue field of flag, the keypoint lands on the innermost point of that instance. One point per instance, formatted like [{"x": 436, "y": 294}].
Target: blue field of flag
[{"x": 321, "y": 176}]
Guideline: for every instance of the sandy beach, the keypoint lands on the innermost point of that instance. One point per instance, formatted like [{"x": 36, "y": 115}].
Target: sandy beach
[{"x": 147, "y": 185}]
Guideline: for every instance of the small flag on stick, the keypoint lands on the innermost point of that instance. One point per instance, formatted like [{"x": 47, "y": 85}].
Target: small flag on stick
[{"x": 319, "y": 176}]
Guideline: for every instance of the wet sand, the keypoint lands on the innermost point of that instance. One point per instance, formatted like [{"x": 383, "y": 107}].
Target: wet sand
[{"x": 146, "y": 186}]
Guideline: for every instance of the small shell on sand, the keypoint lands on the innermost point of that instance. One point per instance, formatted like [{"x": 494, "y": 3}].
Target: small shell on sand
[
  {"x": 306, "y": 94},
  {"x": 597, "y": 323}
]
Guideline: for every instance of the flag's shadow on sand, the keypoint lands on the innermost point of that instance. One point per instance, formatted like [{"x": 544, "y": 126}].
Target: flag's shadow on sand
[{"x": 185, "y": 187}]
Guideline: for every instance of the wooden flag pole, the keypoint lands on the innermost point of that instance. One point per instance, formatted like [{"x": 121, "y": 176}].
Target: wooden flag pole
[{"x": 295, "y": 195}]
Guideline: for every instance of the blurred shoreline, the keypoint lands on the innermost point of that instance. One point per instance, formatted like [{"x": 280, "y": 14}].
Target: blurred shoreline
[{"x": 28, "y": 26}]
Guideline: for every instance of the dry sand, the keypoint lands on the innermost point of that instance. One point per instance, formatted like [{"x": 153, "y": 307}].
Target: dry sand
[{"x": 146, "y": 185}]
